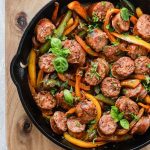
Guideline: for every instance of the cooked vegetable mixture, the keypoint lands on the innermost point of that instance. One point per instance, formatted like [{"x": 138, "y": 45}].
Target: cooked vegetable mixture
[{"x": 89, "y": 72}]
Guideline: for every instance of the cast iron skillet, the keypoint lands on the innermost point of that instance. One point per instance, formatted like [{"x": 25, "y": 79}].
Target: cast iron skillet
[{"x": 19, "y": 77}]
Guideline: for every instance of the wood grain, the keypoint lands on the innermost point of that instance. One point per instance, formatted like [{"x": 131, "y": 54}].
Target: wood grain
[{"x": 21, "y": 133}]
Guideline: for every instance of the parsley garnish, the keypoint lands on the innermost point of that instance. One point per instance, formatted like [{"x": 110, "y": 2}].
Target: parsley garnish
[
  {"x": 95, "y": 17},
  {"x": 110, "y": 28},
  {"x": 93, "y": 71},
  {"x": 124, "y": 14}
]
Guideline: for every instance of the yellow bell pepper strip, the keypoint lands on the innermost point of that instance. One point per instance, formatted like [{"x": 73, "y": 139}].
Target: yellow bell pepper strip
[
  {"x": 133, "y": 122},
  {"x": 85, "y": 46},
  {"x": 139, "y": 76},
  {"x": 70, "y": 29},
  {"x": 72, "y": 83},
  {"x": 130, "y": 83},
  {"x": 109, "y": 13},
  {"x": 77, "y": 84},
  {"x": 143, "y": 105},
  {"x": 32, "y": 67},
  {"x": 147, "y": 99},
  {"x": 69, "y": 23},
  {"x": 59, "y": 31},
  {"x": 70, "y": 111},
  {"x": 105, "y": 100},
  {"x": 39, "y": 77},
  {"x": 81, "y": 143},
  {"x": 139, "y": 12},
  {"x": 133, "y": 19},
  {"x": 32, "y": 90},
  {"x": 96, "y": 103},
  {"x": 55, "y": 12},
  {"x": 80, "y": 10},
  {"x": 132, "y": 39}
]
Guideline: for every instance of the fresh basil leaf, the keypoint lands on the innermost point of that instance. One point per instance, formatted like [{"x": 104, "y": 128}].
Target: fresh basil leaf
[
  {"x": 56, "y": 43},
  {"x": 124, "y": 14},
  {"x": 111, "y": 29},
  {"x": 124, "y": 123},
  {"x": 92, "y": 122},
  {"x": 68, "y": 97},
  {"x": 148, "y": 65},
  {"x": 53, "y": 91},
  {"x": 120, "y": 115},
  {"x": 114, "y": 113},
  {"x": 134, "y": 117},
  {"x": 60, "y": 64}
]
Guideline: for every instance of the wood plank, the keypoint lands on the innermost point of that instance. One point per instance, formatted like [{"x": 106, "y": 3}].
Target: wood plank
[{"x": 21, "y": 133}]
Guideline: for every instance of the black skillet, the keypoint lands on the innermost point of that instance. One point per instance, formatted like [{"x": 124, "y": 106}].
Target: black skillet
[{"x": 19, "y": 77}]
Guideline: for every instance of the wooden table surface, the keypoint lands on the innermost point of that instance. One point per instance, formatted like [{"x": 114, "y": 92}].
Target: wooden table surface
[{"x": 21, "y": 133}]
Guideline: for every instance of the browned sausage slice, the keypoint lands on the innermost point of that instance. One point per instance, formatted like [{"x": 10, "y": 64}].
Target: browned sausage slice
[
  {"x": 77, "y": 54},
  {"x": 142, "y": 65},
  {"x": 86, "y": 111},
  {"x": 135, "y": 51},
  {"x": 141, "y": 126},
  {"x": 75, "y": 128},
  {"x": 97, "y": 39},
  {"x": 142, "y": 27},
  {"x": 45, "y": 100},
  {"x": 107, "y": 125},
  {"x": 127, "y": 106},
  {"x": 110, "y": 87},
  {"x": 58, "y": 122},
  {"x": 99, "y": 9},
  {"x": 46, "y": 63},
  {"x": 44, "y": 28},
  {"x": 123, "y": 67},
  {"x": 119, "y": 24}
]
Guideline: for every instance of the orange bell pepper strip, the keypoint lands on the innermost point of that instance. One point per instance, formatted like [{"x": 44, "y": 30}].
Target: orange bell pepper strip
[
  {"x": 132, "y": 39},
  {"x": 133, "y": 19},
  {"x": 70, "y": 111},
  {"x": 32, "y": 90},
  {"x": 55, "y": 12},
  {"x": 39, "y": 77},
  {"x": 139, "y": 76},
  {"x": 85, "y": 46},
  {"x": 147, "y": 99},
  {"x": 69, "y": 23},
  {"x": 72, "y": 83},
  {"x": 139, "y": 12},
  {"x": 79, "y": 9},
  {"x": 130, "y": 83},
  {"x": 77, "y": 84},
  {"x": 109, "y": 13},
  {"x": 143, "y": 105},
  {"x": 70, "y": 29},
  {"x": 32, "y": 67},
  {"x": 81, "y": 143}
]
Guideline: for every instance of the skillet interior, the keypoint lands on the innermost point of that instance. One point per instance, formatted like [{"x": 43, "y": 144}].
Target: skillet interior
[{"x": 19, "y": 77}]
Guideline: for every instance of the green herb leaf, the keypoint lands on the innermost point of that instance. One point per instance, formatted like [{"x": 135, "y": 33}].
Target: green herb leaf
[
  {"x": 120, "y": 115},
  {"x": 53, "y": 91},
  {"x": 92, "y": 122},
  {"x": 93, "y": 71},
  {"x": 111, "y": 29},
  {"x": 148, "y": 65},
  {"x": 56, "y": 43},
  {"x": 124, "y": 14},
  {"x": 64, "y": 84},
  {"x": 95, "y": 17},
  {"x": 68, "y": 97},
  {"x": 124, "y": 123},
  {"x": 134, "y": 117},
  {"x": 114, "y": 113},
  {"x": 60, "y": 64}
]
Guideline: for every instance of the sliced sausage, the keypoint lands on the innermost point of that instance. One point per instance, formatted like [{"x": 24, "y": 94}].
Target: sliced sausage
[
  {"x": 46, "y": 63},
  {"x": 135, "y": 51},
  {"x": 141, "y": 126},
  {"x": 45, "y": 100},
  {"x": 61, "y": 102},
  {"x": 110, "y": 87},
  {"x": 127, "y": 106},
  {"x": 132, "y": 92},
  {"x": 142, "y": 65},
  {"x": 58, "y": 122},
  {"x": 107, "y": 125},
  {"x": 99, "y": 9},
  {"x": 77, "y": 54},
  {"x": 142, "y": 93},
  {"x": 119, "y": 24},
  {"x": 142, "y": 27},
  {"x": 86, "y": 111},
  {"x": 75, "y": 128},
  {"x": 97, "y": 39},
  {"x": 44, "y": 28},
  {"x": 123, "y": 67},
  {"x": 101, "y": 68},
  {"x": 112, "y": 53}
]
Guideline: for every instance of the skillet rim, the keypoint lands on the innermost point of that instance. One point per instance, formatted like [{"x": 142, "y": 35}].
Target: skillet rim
[{"x": 17, "y": 84}]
